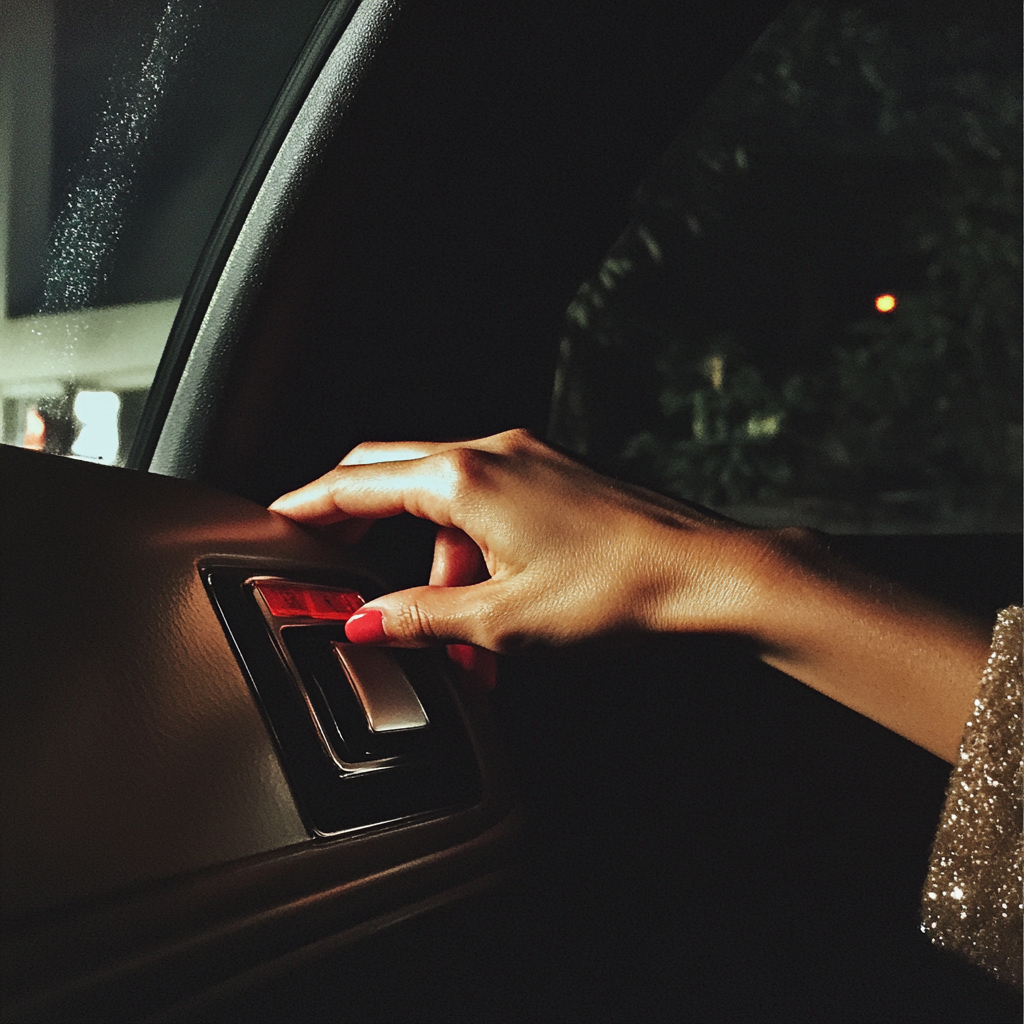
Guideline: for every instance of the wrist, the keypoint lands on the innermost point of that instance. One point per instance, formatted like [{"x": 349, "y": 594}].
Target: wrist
[{"x": 723, "y": 578}]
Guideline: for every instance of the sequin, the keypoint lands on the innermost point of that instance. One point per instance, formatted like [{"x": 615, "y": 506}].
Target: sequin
[{"x": 972, "y": 899}]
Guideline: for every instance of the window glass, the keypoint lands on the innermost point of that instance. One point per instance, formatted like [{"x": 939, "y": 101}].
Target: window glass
[
  {"x": 122, "y": 128},
  {"x": 814, "y": 316}
]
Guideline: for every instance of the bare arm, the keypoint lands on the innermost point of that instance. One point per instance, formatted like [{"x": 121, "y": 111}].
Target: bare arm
[
  {"x": 537, "y": 549},
  {"x": 902, "y": 660}
]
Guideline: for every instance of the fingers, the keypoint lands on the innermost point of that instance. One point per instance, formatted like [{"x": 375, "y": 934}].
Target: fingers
[
  {"x": 370, "y": 452},
  {"x": 314, "y": 502},
  {"x": 380, "y": 479},
  {"x": 458, "y": 562},
  {"x": 372, "y": 491},
  {"x": 425, "y": 616},
  {"x": 399, "y": 451},
  {"x": 415, "y": 619}
]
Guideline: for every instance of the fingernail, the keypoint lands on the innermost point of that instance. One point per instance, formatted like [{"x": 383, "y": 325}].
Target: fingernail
[{"x": 366, "y": 627}]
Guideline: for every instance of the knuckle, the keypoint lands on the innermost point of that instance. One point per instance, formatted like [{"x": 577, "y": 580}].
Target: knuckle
[
  {"x": 421, "y": 624},
  {"x": 517, "y": 440},
  {"x": 414, "y": 624},
  {"x": 464, "y": 469}
]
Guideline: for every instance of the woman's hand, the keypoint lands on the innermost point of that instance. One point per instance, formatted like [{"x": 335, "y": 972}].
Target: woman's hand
[{"x": 534, "y": 548}]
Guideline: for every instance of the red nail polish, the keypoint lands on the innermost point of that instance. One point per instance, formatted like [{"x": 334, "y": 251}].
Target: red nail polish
[{"x": 366, "y": 627}]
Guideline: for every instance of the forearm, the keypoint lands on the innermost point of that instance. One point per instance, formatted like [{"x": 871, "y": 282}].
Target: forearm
[{"x": 891, "y": 655}]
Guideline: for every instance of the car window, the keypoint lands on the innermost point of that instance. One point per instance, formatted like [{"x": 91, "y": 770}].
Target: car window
[
  {"x": 814, "y": 316},
  {"x": 122, "y": 129}
]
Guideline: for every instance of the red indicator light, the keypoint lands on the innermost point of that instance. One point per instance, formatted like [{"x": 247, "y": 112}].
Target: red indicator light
[
  {"x": 334, "y": 604},
  {"x": 283, "y": 601},
  {"x": 885, "y": 303},
  {"x": 294, "y": 601}
]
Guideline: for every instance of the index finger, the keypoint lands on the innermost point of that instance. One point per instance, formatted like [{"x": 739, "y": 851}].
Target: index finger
[
  {"x": 377, "y": 490},
  {"x": 394, "y": 451}
]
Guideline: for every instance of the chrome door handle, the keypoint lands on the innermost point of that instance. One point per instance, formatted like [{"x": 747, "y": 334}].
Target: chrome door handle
[{"x": 387, "y": 698}]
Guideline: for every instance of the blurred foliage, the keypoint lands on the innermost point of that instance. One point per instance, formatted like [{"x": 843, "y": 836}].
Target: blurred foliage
[{"x": 727, "y": 351}]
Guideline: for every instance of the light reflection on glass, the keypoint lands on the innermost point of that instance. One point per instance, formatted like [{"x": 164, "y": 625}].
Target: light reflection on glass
[
  {"x": 35, "y": 430},
  {"x": 98, "y": 439}
]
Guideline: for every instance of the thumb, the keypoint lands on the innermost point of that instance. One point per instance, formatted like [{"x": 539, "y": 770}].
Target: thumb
[{"x": 424, "y": 616}]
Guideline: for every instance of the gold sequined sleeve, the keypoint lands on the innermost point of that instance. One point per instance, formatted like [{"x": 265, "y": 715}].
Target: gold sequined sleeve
[{"x": 972, "y": 899}]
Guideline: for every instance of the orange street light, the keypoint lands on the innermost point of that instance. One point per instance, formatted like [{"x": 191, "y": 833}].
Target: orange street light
[{"x": 885, "y": 303}]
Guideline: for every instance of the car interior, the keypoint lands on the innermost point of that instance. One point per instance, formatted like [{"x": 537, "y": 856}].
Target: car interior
[{"x": 214, "y": 808}]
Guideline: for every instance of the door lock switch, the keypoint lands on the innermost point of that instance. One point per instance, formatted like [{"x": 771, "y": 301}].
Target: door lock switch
[{"x": 367, "y": 735}]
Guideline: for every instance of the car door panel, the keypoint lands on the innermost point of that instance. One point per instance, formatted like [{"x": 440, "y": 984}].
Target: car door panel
[{"x": 147, "y": 816}]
